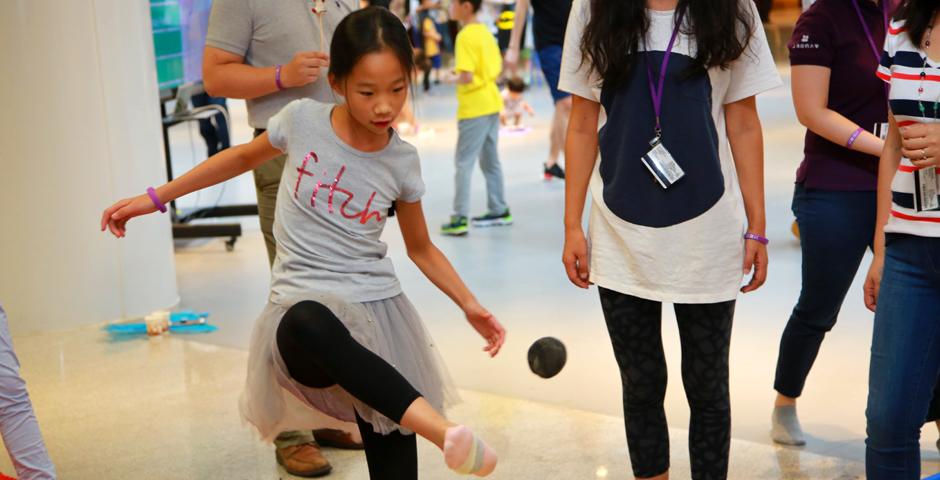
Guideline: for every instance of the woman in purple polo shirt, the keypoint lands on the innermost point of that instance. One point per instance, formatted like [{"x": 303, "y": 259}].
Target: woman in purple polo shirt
[{"x": 834, "y": 53}]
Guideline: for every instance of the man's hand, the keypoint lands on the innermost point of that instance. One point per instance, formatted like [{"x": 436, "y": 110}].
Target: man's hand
[
  {"x": 304, "y": 69},
  {"x": 511, "y": 60}
]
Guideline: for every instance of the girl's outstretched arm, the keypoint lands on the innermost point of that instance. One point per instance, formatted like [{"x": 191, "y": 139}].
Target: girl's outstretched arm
[
  {"x": 441, "y": 273},
  {"x": 222, "y": 166}
]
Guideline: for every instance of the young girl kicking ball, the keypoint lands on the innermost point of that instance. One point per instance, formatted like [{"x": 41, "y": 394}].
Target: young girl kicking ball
[{"x": 338, "y": 335}]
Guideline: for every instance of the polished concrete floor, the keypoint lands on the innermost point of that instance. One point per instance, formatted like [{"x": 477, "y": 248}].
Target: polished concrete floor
[{"x": 166, "y": 408}]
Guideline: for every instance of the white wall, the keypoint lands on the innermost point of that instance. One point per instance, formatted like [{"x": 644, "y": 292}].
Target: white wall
[{"x": 79, "y": 129}]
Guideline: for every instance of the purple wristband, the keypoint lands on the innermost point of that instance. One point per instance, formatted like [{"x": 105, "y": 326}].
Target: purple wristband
[
  {"x": 277, "y": 78},
  {"x": 156, "y": 200},
  {"x": 854, "y": 137},
  {"x": 757, "y": 238}
]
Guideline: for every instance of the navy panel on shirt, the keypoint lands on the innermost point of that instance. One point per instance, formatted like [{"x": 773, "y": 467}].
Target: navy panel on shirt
[{"x": 689, "y": 133}]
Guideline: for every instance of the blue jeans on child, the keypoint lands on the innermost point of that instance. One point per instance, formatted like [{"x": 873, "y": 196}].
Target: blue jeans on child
[
  {"x": 478, "y": 138},
  {"x": 835, "y": 230},
  {"x": 905, "y": 357}
]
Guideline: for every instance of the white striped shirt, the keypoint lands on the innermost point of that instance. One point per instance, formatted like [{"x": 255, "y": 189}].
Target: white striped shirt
[{"x": 901, "y": 65}]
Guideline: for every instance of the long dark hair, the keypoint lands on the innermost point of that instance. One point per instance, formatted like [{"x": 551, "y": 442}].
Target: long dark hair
[
  {"x": 366, "y": 31},
  {"x": 917, "y": 15},
  {"x": 612, "y": 36}
]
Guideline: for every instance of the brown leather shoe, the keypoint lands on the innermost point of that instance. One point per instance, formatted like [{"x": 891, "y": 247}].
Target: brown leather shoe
[
  {"x": 304, "y": 460},
  {"x": 329, "y": 437}
]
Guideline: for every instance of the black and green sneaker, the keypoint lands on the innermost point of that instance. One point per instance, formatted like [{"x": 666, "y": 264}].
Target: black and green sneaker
[
  {"x": 493, "y": 220},
  {"x": 456, "y": 227}
]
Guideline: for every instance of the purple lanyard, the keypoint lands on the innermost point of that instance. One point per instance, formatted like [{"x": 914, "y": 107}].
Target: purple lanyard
[
  {"x": 656, "y": 91},
  {"x": 871, "y": 38}
]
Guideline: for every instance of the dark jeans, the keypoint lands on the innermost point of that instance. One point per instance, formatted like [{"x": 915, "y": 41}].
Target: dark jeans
[
  {"x": 214, "y": 130},
  {"x": 635, "y": 327},
  {"x": 835, "y": 230},
  {"x": 905, "y": 357}
]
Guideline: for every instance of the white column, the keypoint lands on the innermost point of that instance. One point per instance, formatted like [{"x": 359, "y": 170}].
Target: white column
[{"x": 79, "y": 129}]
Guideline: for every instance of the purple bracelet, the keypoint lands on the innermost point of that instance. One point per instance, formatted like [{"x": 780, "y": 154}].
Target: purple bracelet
[
  {"x": 854, "y": 137},
  {"x": 757, "y": 238},
  {"x": 156, "y": 200},
  {"x": 277, "y": 78}
]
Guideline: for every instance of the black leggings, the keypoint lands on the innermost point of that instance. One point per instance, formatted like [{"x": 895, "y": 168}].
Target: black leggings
[
  {"x": 635, "y": 327},
  {"x": 319, "y": 352}
]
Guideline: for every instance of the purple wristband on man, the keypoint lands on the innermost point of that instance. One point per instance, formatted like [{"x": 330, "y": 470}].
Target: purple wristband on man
[
  {"x": 156, "y": 200},
  {"x": 757, "y": 238},
  {"x": 277, "y": 78}
]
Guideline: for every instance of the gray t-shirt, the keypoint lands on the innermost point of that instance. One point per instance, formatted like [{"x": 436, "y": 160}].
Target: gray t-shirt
[
  {"x": 332, "y": 206},
  {"x": 271, "y": 32}
]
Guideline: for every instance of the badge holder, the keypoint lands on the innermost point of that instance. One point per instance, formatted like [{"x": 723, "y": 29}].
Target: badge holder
[
  {"x": 881, "y": 130},
  {"x": 661, "y": 163},
  {"x": 925, "y": 190}
]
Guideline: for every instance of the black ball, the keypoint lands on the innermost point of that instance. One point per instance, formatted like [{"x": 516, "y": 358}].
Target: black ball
[{"x": 547, "y": 356}]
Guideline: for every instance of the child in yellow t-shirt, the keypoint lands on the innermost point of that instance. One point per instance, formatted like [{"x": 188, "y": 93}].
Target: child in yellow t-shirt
[
  {"x": 478, "y": 65},
  {"x": 432, "y": 44}
]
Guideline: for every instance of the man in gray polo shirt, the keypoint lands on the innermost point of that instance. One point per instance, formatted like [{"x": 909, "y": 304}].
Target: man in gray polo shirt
[{"x": 268, "y": 52}]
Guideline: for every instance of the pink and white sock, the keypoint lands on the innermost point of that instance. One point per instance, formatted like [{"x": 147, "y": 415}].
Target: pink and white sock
[{"x": 466, "y": 454}]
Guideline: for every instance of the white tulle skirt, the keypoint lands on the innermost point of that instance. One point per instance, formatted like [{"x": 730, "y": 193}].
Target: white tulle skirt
[{"x": 274, "y": 402}]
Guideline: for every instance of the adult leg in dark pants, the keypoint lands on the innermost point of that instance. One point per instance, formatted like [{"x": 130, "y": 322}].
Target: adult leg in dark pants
[
  {"x": 705, "y": 334},
  {"x": 635, "y": 325},
  {"x": 835, "y": 230},
  {"x": 213, "y": 130}
]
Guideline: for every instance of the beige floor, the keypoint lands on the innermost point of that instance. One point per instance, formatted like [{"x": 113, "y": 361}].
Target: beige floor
[{"x": 165, "y": 408}]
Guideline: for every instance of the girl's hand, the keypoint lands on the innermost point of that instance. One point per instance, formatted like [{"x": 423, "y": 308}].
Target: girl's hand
[
  {"x": 921, "y": 144},
  {"x": 755, "y": 259},
  {"x": 487, "y": 326},
  {"x": 115, "y": 217},
  {"x": 873, "y": 282},
  {"x": 575, "y": 258}
]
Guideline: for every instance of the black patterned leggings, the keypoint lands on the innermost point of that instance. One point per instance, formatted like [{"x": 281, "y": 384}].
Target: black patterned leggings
[{"x": 635, "y": 327}]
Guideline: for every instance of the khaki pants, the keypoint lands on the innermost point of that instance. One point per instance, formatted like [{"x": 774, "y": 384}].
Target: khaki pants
[{"x": 267, "y": 180}]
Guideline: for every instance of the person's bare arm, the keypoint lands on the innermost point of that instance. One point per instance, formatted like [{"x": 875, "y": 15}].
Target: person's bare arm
[
  {"x": 225, "y": 74},
  {"x": 811, "y": 99},
  {"x": 435, "y": 266},
  {"x": 887, "y": 169},
  {"x": 515, "y": 38},
  {"x": 745, "y": 136},
  {"x": 580, "y": 157}
]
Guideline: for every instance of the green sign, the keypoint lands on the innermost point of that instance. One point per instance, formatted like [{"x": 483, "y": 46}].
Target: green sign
[{"x": 167, "y": 42}]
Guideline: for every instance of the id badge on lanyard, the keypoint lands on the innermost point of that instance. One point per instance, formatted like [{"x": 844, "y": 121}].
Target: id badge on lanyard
[
  {"x": 926, "y": 190},
  {"x": 661, "y": 164}
]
